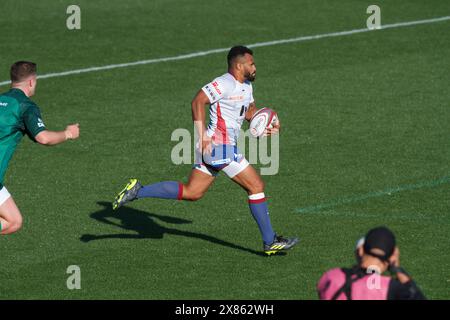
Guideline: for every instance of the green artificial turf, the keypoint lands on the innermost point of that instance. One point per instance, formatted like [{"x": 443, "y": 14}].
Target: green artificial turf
[{"x": 364, "y": 142}]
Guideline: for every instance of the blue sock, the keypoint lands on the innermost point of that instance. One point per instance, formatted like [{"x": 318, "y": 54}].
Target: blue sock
[
  {"x": 258, "y": 207},
  {"x": 163, "y": 190}
]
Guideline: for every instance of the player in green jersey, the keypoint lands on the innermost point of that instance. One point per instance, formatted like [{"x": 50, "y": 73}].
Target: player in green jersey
[{"x": 19, "y": 116}]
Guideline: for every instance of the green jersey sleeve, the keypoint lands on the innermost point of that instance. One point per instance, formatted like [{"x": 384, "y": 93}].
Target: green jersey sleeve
[{"x": 33, "y": 120}]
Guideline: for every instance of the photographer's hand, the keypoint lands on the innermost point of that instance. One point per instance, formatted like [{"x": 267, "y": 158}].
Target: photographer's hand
[{"x": 394, "y": 266}]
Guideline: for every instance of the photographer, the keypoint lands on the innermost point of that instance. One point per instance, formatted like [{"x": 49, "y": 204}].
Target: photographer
[{"x": 376, "y": 252}]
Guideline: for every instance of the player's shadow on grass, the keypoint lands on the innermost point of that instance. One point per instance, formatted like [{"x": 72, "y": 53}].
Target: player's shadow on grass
[{"x": 144, "y": 223}]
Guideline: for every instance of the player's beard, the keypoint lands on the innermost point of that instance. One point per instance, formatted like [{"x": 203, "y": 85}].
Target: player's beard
[{"x": 250, "y": 76}]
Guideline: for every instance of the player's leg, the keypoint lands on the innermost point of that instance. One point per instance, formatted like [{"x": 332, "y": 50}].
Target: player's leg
[
  {"x": 197, "y": 185},
  {"x": 251, "y": 181},
  {"x": 193, "y": 190},
  {"x": 10, "y": 217},
  {"x": 199, "y": 182}
]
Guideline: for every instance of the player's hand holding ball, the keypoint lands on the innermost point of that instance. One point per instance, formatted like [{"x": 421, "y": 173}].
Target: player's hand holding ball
[
  {"x": 264, "y": 122},
  {"x": 72, "y": 131},
  {"x": 273, "y": 128}
]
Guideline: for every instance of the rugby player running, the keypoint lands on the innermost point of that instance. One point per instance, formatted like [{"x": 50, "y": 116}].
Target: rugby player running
[
  {"x": 230, "y": 101},
  {"x": 19, "y": 116}
]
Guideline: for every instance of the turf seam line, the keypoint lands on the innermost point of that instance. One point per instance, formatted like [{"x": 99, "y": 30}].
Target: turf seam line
[
  {"x": 374, "y": 194},
  {"x": 220, "y": 50}
]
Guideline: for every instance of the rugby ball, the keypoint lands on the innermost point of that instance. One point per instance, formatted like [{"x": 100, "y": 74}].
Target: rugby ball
[{"x": 262, "y": 119}]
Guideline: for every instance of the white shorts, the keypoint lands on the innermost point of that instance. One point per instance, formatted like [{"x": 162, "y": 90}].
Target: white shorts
[
  {"x": 4, "y": 195},
  {"x": 231, "y": 170},
  {"x": 226, "y": 158}
]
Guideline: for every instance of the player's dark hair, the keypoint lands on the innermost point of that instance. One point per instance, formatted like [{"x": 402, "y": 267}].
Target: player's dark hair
[
  {"x": 237, "y": 52},
  {"x": 21, "y": 70}
]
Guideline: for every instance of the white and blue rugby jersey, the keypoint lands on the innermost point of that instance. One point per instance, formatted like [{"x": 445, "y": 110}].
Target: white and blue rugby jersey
[{"x": 229, "y": 100}]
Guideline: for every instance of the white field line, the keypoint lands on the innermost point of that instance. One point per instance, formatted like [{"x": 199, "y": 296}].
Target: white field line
[{"x": 220, "y": 50}]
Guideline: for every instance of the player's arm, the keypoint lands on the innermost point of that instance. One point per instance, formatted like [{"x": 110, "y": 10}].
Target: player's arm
[
  {"x": 36, "y": 128},
  {"x": 198, "y": 116},
  {"x": 250, "y": 111},
  {"x": 50, "y": 138}
]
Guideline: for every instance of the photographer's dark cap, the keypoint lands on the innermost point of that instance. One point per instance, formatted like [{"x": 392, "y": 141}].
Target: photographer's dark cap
[{"x": 380, "y": 243}]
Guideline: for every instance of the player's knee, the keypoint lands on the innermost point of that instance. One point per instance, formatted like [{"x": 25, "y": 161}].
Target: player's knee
[{"x": 257, "y": 187}]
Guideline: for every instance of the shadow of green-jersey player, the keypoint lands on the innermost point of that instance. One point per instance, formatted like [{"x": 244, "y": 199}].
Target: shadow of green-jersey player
[{"x": 19, "y": 116}]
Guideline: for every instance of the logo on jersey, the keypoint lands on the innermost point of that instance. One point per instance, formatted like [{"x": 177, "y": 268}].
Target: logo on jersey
[
  {"x": 211, "y": 93},
  {"x": 236, "y": 98},
  {"x": 40, "y": 123},
  {"x": 216, "y": 86},
  {"x": 3, "y": 104}
]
